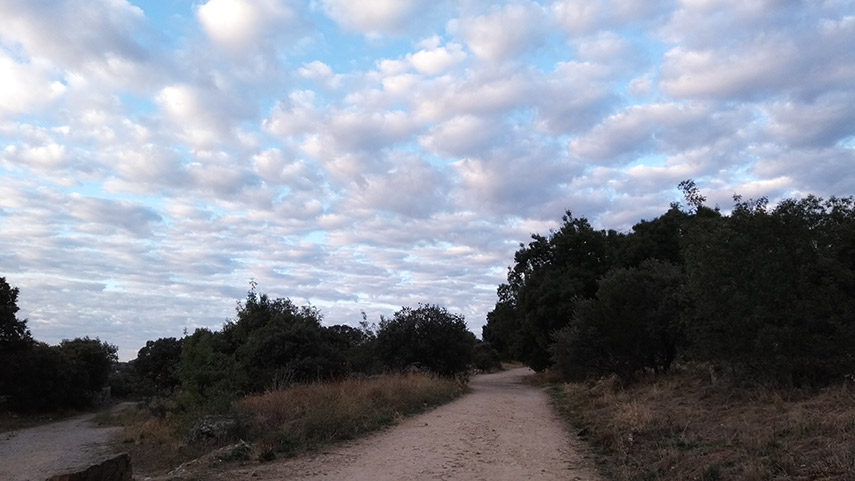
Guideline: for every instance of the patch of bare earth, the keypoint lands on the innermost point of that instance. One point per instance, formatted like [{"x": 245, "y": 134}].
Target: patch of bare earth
[
  {"x": 36, "y": 453},
  {"x": 503, "y": 429}
]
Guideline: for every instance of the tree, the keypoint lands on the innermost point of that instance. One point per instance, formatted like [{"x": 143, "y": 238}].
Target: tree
[
  {"x": 692, "y": 194},
  {"x": 503, "y": 327},
  {"x": 270, "y": 343},
  {"x": 278, "y": 342},
  {"x": 90, "y": 361},
  {"x": 156, "y": 363},
  {"x": 773, "y": 291},
  {"x": 40, "y": 379},
  {"x": 428, "y": 336},
  {"x": 659, "y": 238},
  {"x": 633, "y": 323},
  {"x": 13, "y": 331},
  {"x": 15, "y": 339},
  {"x": 357, "y": 345},
  {"x": 550, "y": 275},
  {"x": 209, "y": 375}
]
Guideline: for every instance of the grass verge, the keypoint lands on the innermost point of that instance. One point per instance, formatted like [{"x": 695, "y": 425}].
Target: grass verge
[
  {"x": 289, "y": 421},
  {"x": 681, "y": 426},
  {"x": 307, "y": 416}
]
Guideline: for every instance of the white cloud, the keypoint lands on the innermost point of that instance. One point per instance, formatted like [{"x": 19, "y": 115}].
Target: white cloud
[
  {"x": 709, "y": 73},
  {"x": 662, "y": 127},
  {"x": 585, "y": 94},
  {"x": 375, "y": 17},
  {"x": 101, "y": 213},
  {"x": 241, "y": 25},
  {"x": 771, "y": 47},
  {"x": 523, "y": 178},
  {"x": 463, "y": 136},
  {"x": 823, "y": 122},
  {"x": 274, "y": 167},
  {"x": 74, "y": 32},
  {"x": 27, "y": 87},
  {"x": 504, "y": 33},
  {"x": 295, "y": 116},
  {"x": 435, "y": 60},
  {"x": 412, "y": 189},
  {"x": 579, "y": 18},
  {"x": 321, "y": 73},
  {"x": 204, "y": 117}
]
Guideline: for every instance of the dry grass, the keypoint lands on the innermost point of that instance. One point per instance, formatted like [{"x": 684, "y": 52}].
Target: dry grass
[
  {"x": 153, "y": 441},
  {"x": 288, "y": 421},
  {"x": 681, "y": 426},
  {"x": 303, "y": 417}
]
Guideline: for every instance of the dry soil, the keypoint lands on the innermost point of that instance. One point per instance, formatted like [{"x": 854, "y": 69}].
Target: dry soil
[
  {"x": 502, "y": 430},
  {"x": 34, "y": 454}
]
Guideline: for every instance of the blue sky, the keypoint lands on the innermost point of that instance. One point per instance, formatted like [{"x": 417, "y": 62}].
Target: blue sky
[{"x": 366, "y": 155}]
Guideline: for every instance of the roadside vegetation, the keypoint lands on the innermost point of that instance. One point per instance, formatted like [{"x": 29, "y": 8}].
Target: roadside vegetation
[
  {"x": 274, "y": 381},
  {"x": 683, "y": 426},
  {"x": 278, "y": 423},
  {"x": 699, "y": 345},
  {"x": 36, "y": 377},
  {"x": 764, "y": 294}
]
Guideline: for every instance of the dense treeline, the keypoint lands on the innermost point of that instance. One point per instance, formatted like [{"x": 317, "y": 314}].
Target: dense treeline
[
  {"x": 767, "y": 294},
  {"x": 273, "y": 342},
  {"x": 270, "y": 343},
  {"x": 35, "y": 376}
]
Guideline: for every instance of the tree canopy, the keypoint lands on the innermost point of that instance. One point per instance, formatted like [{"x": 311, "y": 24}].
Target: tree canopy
[
  {"x": 428, "y": 337},
  {"x": 767, "y": 292}
]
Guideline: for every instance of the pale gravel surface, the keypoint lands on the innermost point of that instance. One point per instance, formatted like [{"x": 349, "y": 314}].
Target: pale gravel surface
[
  {"x": 502, "y": 430},
  {"x": 34, "y": 454}
]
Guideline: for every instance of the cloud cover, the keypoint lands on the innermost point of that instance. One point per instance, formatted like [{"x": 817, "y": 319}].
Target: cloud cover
[{"x": 363, "y": 156}]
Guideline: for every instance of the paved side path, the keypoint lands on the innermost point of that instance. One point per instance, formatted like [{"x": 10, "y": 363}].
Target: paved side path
[{"x": 502, "y": 430}]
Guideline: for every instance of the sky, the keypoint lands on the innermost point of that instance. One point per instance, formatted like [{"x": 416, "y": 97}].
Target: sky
[{"x": 361, "y": 156}]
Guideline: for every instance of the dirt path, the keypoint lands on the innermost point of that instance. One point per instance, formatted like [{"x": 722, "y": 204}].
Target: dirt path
[
  {"x": 502, "y": 430},
  {"x": 34, "y": 454}
]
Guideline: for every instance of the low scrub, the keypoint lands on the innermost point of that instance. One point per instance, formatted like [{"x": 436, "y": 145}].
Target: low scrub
[
  {"x": 685, "y": 426},
  {"x": 286, "y": 421},
  {"x": 303, "y": 417}
]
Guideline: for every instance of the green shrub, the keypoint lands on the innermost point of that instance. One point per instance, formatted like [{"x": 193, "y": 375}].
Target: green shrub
[{"x": 429, "y": 337}]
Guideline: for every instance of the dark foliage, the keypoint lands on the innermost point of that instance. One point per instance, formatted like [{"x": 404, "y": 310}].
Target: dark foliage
[
  {"x": 271, "y": 343},
  {"x": 633, "y": 323},
  {"x": 429, "y": 337},
  {"x": 155, "y": 366},
  {"x": 485, "y": 358},
  {"x": 44, "y": 378},
  {"x": 37, "y": 377},
  {"x": 90, "y": 363},
  {"x": 773, "y": 291},
  {"x": 768, "y": 293},
  {"x": 13, "y": 331},
  {"x": 549, "y": 276}
]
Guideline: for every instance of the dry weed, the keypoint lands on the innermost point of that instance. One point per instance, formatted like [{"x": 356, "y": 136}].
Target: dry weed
[
  {"x": 305, "y": 416},
  {"x": 681, "y": 426}
]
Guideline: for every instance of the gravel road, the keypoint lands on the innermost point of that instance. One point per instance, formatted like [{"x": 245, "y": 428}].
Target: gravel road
[
  {"x": 34, "y": 454},
  {"x": 502, "y": 430}
]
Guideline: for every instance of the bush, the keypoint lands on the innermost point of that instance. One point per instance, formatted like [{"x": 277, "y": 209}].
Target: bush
[
  {"x": 40, "y": 380},
  {"x": 429, "y": 337},
  {"x": 156, "y": 363},
  {"x": 773, "y": 292},
  {"x": 485, "y": 358},
  {"x": 631, "y": 324}
]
